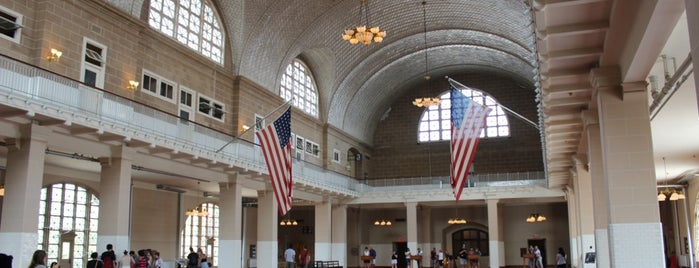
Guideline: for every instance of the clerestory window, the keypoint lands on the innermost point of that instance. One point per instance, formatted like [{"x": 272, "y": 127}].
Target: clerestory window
[
  {"x": 435, "y": 122},
  {"x": 194, "y": 23},
  {"x": 298, "y": 84}
]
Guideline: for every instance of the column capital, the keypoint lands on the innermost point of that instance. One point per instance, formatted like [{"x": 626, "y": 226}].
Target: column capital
[
  {"x": 605, "y": 77},
  {"x": 638, "y": 86},
  {"x": 589, "y": 117}
]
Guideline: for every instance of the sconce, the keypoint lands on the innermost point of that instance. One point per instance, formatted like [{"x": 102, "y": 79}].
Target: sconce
[
  {"x": 383, "y": 223},
  {"x": 133, "y": 85},
  {"x": 55, "y": 55},
  {"x": 246, "y": 127}
]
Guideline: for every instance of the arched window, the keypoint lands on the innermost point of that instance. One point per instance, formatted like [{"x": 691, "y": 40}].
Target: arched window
[
  {"x": 65, "y": 210},
  {"x": 470, "y": 238},
  {"x": 194, "y": 23},
  {"x": 202, "y": 232},
  {"x": 435, "y": 123},
  {"x": 298, "y": 84}
]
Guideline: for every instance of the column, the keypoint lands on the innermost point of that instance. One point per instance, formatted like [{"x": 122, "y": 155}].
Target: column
[
  {"x": 496, "y": 245},
  {"x": 586, "y": 213},
  {"x": 599, "y": 192},
  {"x": 692, "y": 10},
  {"x": 115, "y": 199},
  {"x": 635, "y": 233},
  {"x": 411, "y": 224},
  {"x": 230, "y": 241},
  {"x": 23, "y": 182},
  {"x": 267, "y": 224},
  {"x": 323, "y": 231},
  {"x": 574, "y": 227},
  {"x": 339, "y": 234},
  {"x": 426, "y": 235}
]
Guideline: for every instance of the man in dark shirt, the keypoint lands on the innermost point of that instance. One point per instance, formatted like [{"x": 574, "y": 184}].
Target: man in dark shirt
[{"x": 108, "y": 257}]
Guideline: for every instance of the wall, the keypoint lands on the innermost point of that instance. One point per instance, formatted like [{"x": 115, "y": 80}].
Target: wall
[{"x": 398, "y": 154}]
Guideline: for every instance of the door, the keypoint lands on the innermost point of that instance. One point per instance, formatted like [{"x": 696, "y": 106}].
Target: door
[
  {"x": 186, "y": 114},
  {"x": 65, "y": 251},
  {"x": 541, "y": 243}
]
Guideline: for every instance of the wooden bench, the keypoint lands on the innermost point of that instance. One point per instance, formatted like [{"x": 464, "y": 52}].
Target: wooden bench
[{"x": 327, "y": 264}]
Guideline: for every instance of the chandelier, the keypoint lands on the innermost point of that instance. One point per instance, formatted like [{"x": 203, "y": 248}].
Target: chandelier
[
  {"x": 536, "y": 217},
  {"x": 363, "y": 33},
  {"x": 196, "y": 211},
  {"x": 426, "y": 101},
  {"x": 457, "y": 221},
  {"x": 383, "y": 223},
  {"x": 670, "y": 192}
]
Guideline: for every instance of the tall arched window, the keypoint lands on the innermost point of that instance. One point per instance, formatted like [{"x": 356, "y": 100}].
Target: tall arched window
[
  {"x": 68, "y": 219},
  {"x": 194, "y": 23},
  {"x": 202, "y": 232},
  {"x": 298, "y": 84},
  {"x": 435, "y": 122}
]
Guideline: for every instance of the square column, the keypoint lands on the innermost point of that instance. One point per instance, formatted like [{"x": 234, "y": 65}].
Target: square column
[
  {"x": 411, "y": 223},
  {"x": 496, "y": 245},
  {"x": 339, "y": 234},
  {"x": 599, "y": 192},
  {"x": 267, "y": 232},
  {"x": 23, "y": 181},
  {"x": 583, "y": 199},
  {"x": 115, "y": 200},
  {"x": 230, "y": 241},
  {"x": 426, "y": 235},
  {"x": 635, "y": 234},
  {"x": 323, "y": 231}
]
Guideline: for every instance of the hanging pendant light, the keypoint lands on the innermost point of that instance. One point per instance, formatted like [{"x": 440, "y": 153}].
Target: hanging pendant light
[
  {"x": 363, "y": 33},
  {"x": 426, "y": 101}
]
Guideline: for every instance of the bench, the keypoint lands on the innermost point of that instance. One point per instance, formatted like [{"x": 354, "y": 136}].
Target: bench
[{"x": 327, "y": 264}]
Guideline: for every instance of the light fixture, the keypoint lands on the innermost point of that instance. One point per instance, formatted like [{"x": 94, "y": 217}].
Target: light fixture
[
  {"x": 363, "y": 33},
  {"x": 288, "y": 222},
  {"x": 195, "y": 211},
  {"x": 457, "y": 220},
  {"x": 246, "y": 127},
  {"x": 55, "y": 55},
  {"x": 133, "y": 85},
  {"x": 383, "y": 223},
  {"x": 536, "y": 217},
  {"x": 426, "y": 101},
  {"x": 2, "y": 190}
]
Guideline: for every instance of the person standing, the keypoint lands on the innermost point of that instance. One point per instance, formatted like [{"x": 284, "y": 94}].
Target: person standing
[
  {"x": 192, "y": 258},
  {"x": 394, "y": 260},
  {"x": 126, "y": 261},
  {"x": 366, "y": 261},
  {"x": 372, "y": 253},
  {"x": 440, "y": 258},
  {"x": 203, "y": 262},
  {"x": 407, "y": 257},
  {"x": 108, "y": 257},
  {"x": 304, "y": 257},
  {"x": 463, "y": 257},
  {"x": 539, "y": 259},
  {"x": 530, "y": 259},
  {"x": 39, "y": 259},
  {"x": 433, "y": 258},
  {"x": 94, "y": 262},
  {"x": 289, "y": 256},
  {"x": 561, "y": 258}
]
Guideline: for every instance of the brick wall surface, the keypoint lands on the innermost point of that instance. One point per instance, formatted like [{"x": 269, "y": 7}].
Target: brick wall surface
[{"x": 397, "y": 153}]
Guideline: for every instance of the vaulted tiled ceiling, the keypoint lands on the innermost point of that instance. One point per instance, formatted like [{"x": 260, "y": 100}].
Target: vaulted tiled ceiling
[{"x": 550, "y": 44}]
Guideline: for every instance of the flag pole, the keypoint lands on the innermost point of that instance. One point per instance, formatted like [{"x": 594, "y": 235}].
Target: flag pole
[
  {"x": 246, "y": 130},
  {"x": 502, "y": 106}
]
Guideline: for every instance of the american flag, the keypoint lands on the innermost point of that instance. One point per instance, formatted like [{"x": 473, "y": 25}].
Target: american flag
[
  {"x": 275, "y": 140},
  {"x": 467, "y": 120}
]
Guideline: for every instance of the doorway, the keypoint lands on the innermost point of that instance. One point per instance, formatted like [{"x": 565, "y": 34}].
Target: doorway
[
  {"x": 65, "y": 251},
  {"x": 541, "y": 243},
  {"x": 401, "y": 248}
]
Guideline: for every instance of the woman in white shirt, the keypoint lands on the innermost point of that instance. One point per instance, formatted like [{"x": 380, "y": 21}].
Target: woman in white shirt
[{"x": 126, "y": 260}]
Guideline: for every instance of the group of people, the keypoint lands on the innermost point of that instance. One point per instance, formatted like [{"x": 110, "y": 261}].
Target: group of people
[
  {"x": 468, "y": 258},
  {"x": 369, "y": 257},
  {"x": 146, "y": 258},
  {"x": 537, "y": 261},
  {"x": 196, "y": 259},
  {"x": 304, "y": 257}
]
